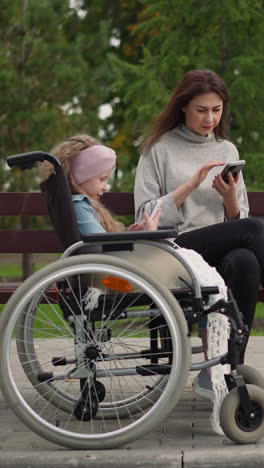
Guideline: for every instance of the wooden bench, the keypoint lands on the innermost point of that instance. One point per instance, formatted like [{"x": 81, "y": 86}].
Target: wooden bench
[{"x": 46, "y": 241}]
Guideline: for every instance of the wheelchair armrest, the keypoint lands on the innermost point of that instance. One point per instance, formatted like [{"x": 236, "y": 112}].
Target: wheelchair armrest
[
  {"x": 130, "y": 236},
  {"x": 29, "y": 160}
]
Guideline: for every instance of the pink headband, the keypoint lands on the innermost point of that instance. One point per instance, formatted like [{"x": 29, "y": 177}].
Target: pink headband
[{"x": 91, "y": 162}]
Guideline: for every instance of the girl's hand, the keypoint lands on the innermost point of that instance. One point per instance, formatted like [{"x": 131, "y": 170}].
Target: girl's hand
[
  {"x": 152, "y": 224},
  {"x": 202, "y": 173},
  {"x": 137, "y": 227}
]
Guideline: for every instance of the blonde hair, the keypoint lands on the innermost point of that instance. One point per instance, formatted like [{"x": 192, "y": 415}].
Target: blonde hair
[{"x": 66, "y": 150}]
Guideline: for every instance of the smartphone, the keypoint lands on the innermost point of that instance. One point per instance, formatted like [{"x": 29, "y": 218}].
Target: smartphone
[
  {"x": 156, "y": 208},
  {"x": 233, "y": 167}
]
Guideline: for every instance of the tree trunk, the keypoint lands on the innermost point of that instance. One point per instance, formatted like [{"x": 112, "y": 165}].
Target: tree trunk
[
  {"x": 27, "y": 265},
  {"x": 27, "y": 258}
]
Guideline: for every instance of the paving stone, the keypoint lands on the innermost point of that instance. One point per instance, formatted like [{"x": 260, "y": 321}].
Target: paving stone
[
  {"x": 178, "y": 427},
  {"x": 184, "y": 439}
]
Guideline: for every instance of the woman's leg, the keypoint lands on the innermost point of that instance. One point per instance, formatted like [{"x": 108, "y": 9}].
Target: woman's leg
[
  {"x": 236, "y": 250},
  {"x": 221, "y": 246},
  {"x": 216, "y": 241},
  {"x": 241, "y": 271}
]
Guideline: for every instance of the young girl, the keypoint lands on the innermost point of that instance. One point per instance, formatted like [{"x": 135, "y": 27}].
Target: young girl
[{"x": 88, "y": 165}]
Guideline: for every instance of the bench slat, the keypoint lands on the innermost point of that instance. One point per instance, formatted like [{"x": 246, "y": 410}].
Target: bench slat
[
  {"x": 29, "y": 241},
  {"x": 7, "y": 289},
  {"x": 18, "y": 204},
  {"x": 14, "y": 203},
  {"x": 256, "y": 203}
]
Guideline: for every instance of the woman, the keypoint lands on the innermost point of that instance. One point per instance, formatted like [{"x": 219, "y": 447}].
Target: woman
[{"x": 181, "y": 164}]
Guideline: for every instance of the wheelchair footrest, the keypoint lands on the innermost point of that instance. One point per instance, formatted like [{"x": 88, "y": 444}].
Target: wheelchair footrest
[
  {"x": 153, "y": 370},
  {"x": 45, "y": 376}
]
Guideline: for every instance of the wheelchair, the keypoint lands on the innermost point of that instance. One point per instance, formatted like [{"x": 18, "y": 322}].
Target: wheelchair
[{"x": 96, "y": 347}]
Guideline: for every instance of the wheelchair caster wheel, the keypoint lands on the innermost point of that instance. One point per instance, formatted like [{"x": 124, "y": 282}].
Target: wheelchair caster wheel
[
  {"x": 99, "y": 391},
  {"x": 251, "y": 375},
  {"x": 233, "y": 420},
  {"x": 86, "y": 410}
]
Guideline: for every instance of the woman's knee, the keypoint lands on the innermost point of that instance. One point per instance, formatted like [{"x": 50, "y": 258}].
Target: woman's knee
[
  {"x": 240, "y": 263},
  {"x": 254, "y": 225}
]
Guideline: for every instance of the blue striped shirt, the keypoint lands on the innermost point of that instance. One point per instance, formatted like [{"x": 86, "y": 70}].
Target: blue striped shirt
[{"x": 87, "y": 221}]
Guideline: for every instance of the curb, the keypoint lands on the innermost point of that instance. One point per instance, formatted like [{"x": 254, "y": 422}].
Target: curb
[
  {"x": 234, "y": 456},
  {"x": 98, "y": 459}
]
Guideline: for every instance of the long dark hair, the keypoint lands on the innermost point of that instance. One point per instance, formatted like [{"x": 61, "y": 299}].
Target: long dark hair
[{"x": 194, "y": 83}]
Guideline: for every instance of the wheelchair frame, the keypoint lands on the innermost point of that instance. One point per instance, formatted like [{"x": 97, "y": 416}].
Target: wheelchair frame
[{"x": 130, "y": 332}]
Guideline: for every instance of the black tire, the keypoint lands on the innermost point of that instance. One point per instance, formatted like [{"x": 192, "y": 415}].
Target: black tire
[{"x": 233, "y": 421}]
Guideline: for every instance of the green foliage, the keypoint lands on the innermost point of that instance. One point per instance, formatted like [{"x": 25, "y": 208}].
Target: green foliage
[
  {"x": 254, "y": 171},
  {"x": 225, "y": 36},
  {"x": 43, "y": 77},
  {"x": 44, "y": 88},
  {"x": 59, "y": 64}
]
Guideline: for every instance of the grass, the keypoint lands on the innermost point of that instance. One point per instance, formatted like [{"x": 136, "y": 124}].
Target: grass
[
  {"x": 49, "y": 323},
  {"x": 258, "y": 325},
  {"x": 54, "y": 317},
  {"x": 12, "y": 272}
]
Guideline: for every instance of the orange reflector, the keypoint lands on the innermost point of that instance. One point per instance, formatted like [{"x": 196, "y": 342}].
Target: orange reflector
[{"x": 118, "y": 284}]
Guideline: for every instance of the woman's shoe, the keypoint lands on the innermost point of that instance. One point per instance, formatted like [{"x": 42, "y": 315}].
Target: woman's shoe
[{"x": 202, "y": 385}]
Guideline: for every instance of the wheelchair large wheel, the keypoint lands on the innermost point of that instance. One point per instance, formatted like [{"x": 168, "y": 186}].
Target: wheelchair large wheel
[
  {"x": 68, "y": 368},
  {"x": 234, "y": 421},
  {"x": 63, "y": 396}
]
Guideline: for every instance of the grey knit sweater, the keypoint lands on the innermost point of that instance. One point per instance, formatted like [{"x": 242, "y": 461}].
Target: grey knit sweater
[{"x": 171, "y": 162}]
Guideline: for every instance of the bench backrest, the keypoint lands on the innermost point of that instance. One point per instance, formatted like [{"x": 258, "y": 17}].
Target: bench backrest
[{"x": 46, "y": 241}]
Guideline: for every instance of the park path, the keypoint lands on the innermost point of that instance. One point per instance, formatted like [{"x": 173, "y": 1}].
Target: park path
[{"x": 184, "y": 439}]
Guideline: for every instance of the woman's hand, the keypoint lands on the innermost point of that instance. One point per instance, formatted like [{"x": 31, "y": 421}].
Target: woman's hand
[
  {"x": 183, "y": 191},
  {"x": 226, "y": 190},
  {"x": 202, "y": 173},
  {"x": 229, "y": 194}
]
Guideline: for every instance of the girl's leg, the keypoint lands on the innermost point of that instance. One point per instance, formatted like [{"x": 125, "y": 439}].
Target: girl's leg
[{"x": 241, "y": 271}]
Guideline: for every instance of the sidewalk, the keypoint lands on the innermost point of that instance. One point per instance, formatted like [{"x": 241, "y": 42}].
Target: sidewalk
[{"x": 185, "y": 439}]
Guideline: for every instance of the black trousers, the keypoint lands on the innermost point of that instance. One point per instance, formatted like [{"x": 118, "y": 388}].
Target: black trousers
[{"x": 236, "y": 250}]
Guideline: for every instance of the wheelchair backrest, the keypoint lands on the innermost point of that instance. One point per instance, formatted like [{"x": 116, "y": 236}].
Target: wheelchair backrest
[{"x": 57, "y": 193}]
